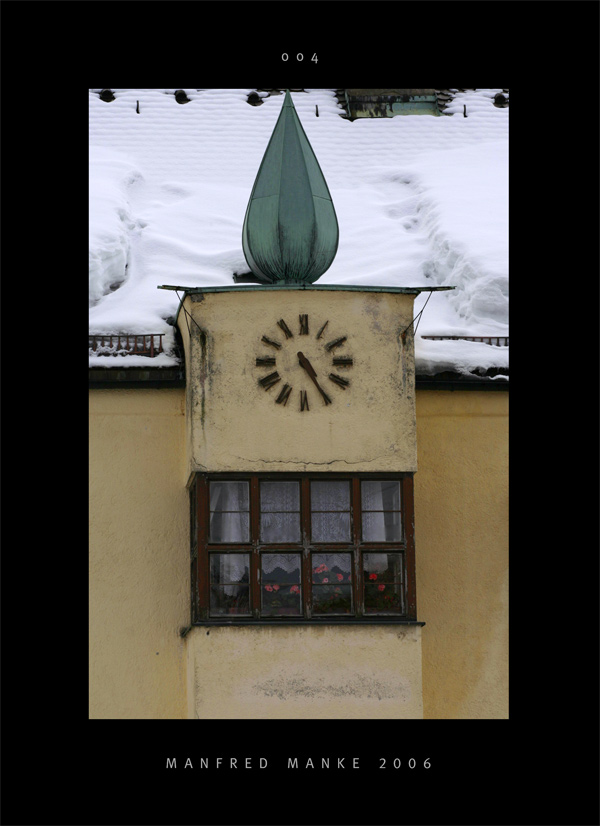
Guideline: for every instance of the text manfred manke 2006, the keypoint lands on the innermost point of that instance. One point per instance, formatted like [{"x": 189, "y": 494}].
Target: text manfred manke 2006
[{"x": 262, "y": 763}]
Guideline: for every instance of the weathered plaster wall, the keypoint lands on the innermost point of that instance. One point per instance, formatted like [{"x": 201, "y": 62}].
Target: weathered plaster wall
[
  {"x": 235, "y": 425},
  {"x": 305, "y": 672},
  {"x": 138, "y": 554},
  {"x": 461, "y": 536}
]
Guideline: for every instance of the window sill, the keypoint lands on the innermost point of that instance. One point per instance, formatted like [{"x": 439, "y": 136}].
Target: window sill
[{"x": 314, "y": 622}]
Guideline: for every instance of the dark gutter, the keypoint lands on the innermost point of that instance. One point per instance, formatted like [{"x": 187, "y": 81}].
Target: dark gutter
[
  {"x": 107, "y": 378},
  {"x": 111, "y": 378},
  {"x": 458, "y": 381}
]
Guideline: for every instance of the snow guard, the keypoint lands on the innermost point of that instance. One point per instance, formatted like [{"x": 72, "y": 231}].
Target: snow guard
[{"x": 290, "y": 233}]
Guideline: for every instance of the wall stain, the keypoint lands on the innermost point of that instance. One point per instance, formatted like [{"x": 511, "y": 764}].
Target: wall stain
[{"x": 289, "y": 688}]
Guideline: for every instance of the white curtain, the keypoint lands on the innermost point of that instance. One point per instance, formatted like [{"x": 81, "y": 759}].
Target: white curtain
[
  {"x": 231, "y": 568},
  {"x": 377, "y": 497},
  {"x": 229, "y": 512}
]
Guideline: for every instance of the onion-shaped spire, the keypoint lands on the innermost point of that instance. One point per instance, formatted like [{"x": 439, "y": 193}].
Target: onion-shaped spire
[{"x": 290, "y": 232}]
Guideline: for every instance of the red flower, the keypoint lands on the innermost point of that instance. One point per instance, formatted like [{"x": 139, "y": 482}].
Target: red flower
[
  {"x": 381, "y": 587},
  {"x": 372, "y": 576},
  {"x": 340, "y": 577},
  {"x": 325, "y": 579},
  {"x": 276, "y": 587},
  {"x": 268, "y": 587},
  {"x": 294, "y": 589}
]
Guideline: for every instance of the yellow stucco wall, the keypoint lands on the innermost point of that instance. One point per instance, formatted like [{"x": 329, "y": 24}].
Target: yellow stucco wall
[
  {"x": 139, "y": 581},
  {"x": 328, "y": 672},
  {"x": 461, "y": 537},
  {"x": 139, "y": 592}
]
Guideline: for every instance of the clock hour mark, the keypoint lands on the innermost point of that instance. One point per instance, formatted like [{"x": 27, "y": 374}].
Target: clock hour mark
[
  {"x": 304, "y": 401},
  {"x": 271, "y": 343},
  {"x": 264, "y": 361},
  {"x": 284, "y": 395},
  {"x": 270, "y": 380},
  {"x": 335, "y": 343},
  {"x": 320, "y": 333},
  {"x": 288, "y": 333},
  {"x": 339, "y": 380},
  {"x": 342, "y": 361},
  {"x": 303, "y": 324}
]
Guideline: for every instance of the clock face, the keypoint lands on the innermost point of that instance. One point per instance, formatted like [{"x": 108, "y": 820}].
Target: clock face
[{"x": 305, "y": 364}]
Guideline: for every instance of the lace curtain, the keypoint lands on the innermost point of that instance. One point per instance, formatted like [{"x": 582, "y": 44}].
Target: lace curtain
[
  {"x": 280, "y": 521},
  {"x": 330, "y": 507},
  {"x": 290, "y": 563},
  {"x": 280, "y": 512}
]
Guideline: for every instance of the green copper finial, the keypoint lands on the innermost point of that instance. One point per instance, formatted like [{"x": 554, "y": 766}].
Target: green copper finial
[{"x": 290, "y": 232}]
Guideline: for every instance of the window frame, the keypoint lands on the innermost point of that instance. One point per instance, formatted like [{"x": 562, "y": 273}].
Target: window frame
[{"x": 201, "y": 549}]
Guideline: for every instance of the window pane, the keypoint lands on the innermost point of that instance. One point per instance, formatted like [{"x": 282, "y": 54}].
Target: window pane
[
  {"x": 229, "y": 589},
  {"x": 280, "y": 527},
  {"x": 330, "y": 506},
  {"x": 281, "y": 590},
  {"x": 229, "y": 527},
  {"x": 383, "y": 581},
  {"x": 383, "y": 599},
  {"x": 229, "y": 496},
  {"x": 279, "y": 496},
  {"x": 379, "y": 526},
  {"x": 381, "y": 517},
  {"x": 228, "y": 568},
  {"x": 330, "y": 496},
  {"x": 331, "y": 527},
  {"x": 280, "y": 512},
  {"x": 229, "y": 517},
  {"x": 332, "y": 583},
  {"x": 382, "y": 495}
]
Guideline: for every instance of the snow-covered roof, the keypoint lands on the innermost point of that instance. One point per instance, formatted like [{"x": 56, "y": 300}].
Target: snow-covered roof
[{"x": 420, "y": 201}]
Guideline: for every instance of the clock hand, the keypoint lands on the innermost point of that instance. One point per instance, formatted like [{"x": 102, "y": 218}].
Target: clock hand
[{"x": 305, "y": 363}]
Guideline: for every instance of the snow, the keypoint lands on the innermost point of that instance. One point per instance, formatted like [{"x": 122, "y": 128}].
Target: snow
[{"x": 420, "y": 201}]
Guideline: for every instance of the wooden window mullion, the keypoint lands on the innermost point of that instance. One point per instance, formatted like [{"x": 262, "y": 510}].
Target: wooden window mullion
[
  {"x": 408, "y": 515},
  {"x": 255, "y": 539},
  {"x": 357, "y": 555},
  {"x": 202, "y": 560},
  {"x": 306, "y": 547}
]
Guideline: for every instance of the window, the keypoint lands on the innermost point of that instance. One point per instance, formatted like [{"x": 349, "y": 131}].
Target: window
[{"x": 302, "y": 548}]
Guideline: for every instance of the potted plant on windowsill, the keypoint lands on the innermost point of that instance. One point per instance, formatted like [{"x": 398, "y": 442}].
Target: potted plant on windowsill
[{"x": 281, "y": 599}]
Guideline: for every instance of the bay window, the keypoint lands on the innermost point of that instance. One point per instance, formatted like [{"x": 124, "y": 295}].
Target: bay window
[{"x": 302, "y": 548}]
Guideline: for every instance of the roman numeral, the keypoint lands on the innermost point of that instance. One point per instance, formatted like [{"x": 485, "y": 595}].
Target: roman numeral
[
  {"x": 265, "y": 361},
  {"x": 342, "y": 361},
  {"x": 284, "y": 395},
  {"x": 339, "y": 380},
  {"x": 304, "y": 401},
  {"x": 288, "y": 333},
  {"x": 270, "y": 380},
  {"x": 335, "y": 343},
  {"x": 271, "y": 343},
  {"x": 303, "y": 324},
  {"x": 320, "y": 333}
]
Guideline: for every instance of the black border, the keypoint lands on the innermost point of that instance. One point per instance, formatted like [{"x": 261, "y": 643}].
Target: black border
[{"x": 538, "y": 767}]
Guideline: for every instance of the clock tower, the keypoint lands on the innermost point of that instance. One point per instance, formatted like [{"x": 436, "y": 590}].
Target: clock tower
[{"x": 301, "y": 450}]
